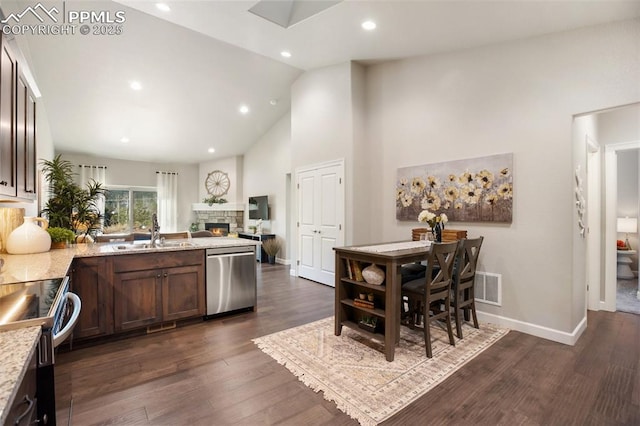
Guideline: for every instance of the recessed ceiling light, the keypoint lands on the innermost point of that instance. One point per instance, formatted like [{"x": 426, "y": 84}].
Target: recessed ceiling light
[
  {"x": 369, "y": 25},
  {"x": 244, "y": 109},
  {"x": 211, "y": 150},
  {"x": 135, "y": 85},
  {"x": 163, "y": 7},
  {"x": 124, "y": 140},
  {"x": 285, "y": 54},
  {"x": 273, "y": 102}
]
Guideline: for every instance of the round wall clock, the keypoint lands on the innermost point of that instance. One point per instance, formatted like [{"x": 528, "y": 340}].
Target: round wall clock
[{"x": 217, "y": 183}]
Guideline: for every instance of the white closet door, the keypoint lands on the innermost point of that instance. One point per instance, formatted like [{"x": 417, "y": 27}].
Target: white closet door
[{"x": 320, "y": 218}]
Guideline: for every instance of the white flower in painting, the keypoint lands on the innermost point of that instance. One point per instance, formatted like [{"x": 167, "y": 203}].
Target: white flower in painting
[
  {"x": 406, "y": 200},
  {"x": 399, "y": 193},
  {"x": 404, "y": 183},
  {"x": 451, "y": 193},
  {"x": 505, "y": 191},
  {"x": 458, "y": 205},
  {"x": 485, "y": 178},
  {"x": 466, "y": 177},
  {"x": 470, "y": 194},
  {"x": 491, "y": 199},
  {"x": 433, "y": 182},
  {"x": 443, "y": 218},
  {"x": 417, "y": 185},
  {"x": 505, "y": 172}
]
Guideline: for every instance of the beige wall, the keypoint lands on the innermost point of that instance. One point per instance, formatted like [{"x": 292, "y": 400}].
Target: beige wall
[
  {"x": 517, "y": 97},
  {"x": 266, "y": 166}
]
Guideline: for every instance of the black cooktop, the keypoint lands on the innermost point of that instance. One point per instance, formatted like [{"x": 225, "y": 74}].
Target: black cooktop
[{"x": 30, "y": 300}]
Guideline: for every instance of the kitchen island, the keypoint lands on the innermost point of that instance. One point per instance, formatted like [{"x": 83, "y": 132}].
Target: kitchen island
[{"x": 123, "y": 287}]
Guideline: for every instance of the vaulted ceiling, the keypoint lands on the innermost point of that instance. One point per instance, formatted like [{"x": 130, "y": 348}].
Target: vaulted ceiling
[{"x": 200, "y": 61}]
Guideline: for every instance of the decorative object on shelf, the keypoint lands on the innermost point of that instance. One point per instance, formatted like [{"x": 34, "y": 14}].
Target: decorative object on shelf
[
  {"x": 363, "y": 302},
  {"x": 373, "y": 274},
  {"x": 271, "y": 247},
  {"x": 356, "y": 270},
  {"x": 212, "y": 199},
  {"x": 71, "y": 206},
  {"x": 60, "y": 237},
  {"x": 10, "y": 219},
  {"x": 370, "y": 297},
  {"x": 217, "y": 183},
  {"x": 627, "y": 225},
  {"x": 473, "y": 190},
  {"x": 368, "y": 323},
  {"x": 194, "y": 227},
  {"x": 29, "y": 238},
  {"x": 436, "y": 222}
]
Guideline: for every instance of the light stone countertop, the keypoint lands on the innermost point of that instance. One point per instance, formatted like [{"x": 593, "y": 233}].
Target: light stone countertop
[
  {"x": 56, "y": 263},
  {"x": 16, "y": 347}
]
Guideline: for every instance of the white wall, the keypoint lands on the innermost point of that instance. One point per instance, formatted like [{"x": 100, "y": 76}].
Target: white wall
[
  {"x": 233, "y": 167},
  {"x": 266, "y": 166},
  {"x": 138, "y": 173},
  {"x": 516, "y": 97}
]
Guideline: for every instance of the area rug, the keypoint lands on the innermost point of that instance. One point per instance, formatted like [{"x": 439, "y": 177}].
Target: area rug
[{"x": 352, "y": 371}]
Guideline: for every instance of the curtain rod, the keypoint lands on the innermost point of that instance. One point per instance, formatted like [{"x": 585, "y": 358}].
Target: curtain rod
[
  {"x": 87, "y": 165},
  {"x": 167, "y": 173}
]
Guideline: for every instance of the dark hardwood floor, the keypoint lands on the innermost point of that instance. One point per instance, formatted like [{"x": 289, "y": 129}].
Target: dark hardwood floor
[{"x": 211, "y": 373}]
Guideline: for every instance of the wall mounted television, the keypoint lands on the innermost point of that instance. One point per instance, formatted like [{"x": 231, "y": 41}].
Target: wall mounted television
[{"x": 259, "y": 207}]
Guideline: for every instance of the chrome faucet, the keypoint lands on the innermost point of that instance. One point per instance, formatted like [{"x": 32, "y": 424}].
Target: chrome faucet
[{"x": 155, "y": 229}]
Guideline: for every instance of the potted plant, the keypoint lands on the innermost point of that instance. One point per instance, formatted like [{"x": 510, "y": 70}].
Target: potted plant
[
  {"x": 368, "y": 323},
  {"x": 70, "y": 206},
  {"x": 271, "y": 247},
  {"x": 60, "y": 236}
]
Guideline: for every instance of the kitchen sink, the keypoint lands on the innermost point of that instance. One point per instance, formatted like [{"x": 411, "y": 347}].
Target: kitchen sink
[{"x": 147, "y": 246}]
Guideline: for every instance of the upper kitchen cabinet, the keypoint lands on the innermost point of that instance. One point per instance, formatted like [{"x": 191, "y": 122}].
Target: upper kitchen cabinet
[
  {"x": 17, "y": 128},
  {"x": 26, "y": 139},
  {"x": 8, "y": 76}
]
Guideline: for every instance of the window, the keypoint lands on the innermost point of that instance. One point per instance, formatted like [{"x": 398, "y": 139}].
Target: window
[{"x": 129, "y": 209}]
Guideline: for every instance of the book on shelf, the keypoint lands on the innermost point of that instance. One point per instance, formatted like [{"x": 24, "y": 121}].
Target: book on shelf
[
  {"x": 363, "y": 303},
  {"x": 356, "y": 269},
  {"x": 349, "y": 272}
]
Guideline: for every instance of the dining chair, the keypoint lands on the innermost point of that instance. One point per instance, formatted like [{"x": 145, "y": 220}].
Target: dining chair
[
  {"x": 112, "y": 238},
  {"x": 463, "y": 299},
  {"x": 430, "y": 296},
  {"x": 174, "y": 235},
  {"x": 201, "y": 234}
]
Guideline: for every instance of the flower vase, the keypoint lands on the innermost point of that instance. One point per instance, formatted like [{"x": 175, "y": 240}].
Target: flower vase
[{"x": 437, "y": 233}]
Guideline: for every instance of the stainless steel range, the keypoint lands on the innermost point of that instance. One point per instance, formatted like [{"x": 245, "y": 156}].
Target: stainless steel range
[{"x": 49, "y": 304}]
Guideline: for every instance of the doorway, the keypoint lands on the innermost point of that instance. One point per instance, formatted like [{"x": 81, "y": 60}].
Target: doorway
[{"x": 616, "y": 133}]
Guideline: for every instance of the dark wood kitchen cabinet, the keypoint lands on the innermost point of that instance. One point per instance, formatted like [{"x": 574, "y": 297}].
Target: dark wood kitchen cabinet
[
  {"x": 90, "y": 281},
  {"x": 153, "y": 288},
  {"x": 25, "y": 140},
  {"x": 8, "y": 75},
  {"x": 18, "y": 172}
]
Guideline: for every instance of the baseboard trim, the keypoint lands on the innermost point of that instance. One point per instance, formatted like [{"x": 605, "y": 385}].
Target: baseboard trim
[
  {"x": 292, "y": 272},
  {"x": 536, "y": 330},
  {"x": 281, "y": 261}
]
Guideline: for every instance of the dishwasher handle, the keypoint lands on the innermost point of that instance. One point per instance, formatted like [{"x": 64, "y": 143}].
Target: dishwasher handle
[{"x": 249, "y": 253}]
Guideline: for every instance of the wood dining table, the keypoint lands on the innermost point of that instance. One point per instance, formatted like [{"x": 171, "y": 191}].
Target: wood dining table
[{"x": 388, "y": 296}]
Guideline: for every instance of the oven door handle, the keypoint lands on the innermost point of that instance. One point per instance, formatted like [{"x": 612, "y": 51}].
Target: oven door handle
[{"x": 62, "y": 335}]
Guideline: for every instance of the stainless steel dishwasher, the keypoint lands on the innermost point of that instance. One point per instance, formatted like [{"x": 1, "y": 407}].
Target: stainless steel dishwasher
[{"x": 231, "y": 279}]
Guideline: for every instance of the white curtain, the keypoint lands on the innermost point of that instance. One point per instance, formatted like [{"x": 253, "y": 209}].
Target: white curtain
[
  {"x": 167, "y": 183},
  {"x": 97, "y": 173}
]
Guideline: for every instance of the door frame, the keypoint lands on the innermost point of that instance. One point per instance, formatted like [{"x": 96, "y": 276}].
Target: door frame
[
  {"x": 610, "y": 216},
  {"x": 306, "y": 168}
]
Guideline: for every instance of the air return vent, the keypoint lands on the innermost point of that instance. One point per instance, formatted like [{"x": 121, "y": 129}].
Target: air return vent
[{"x": 488, "y": 288}]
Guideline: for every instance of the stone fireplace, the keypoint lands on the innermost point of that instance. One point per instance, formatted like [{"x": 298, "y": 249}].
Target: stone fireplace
[{"x": 228, "y": 216}]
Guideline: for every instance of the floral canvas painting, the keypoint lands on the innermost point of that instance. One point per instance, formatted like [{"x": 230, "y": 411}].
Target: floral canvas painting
[{"x": 472, "y": 190}]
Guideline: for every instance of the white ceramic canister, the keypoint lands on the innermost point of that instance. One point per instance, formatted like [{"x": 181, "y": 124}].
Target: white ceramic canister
[
  {"x": 29, "y": 237},
  {"x": 10, "y": 219}
]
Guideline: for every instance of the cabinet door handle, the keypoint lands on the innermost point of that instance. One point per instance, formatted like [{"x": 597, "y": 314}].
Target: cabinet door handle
[
  {"x": 166, "y": 275},
  {"x": 158, "y": 276},
  {"x": 26, "y": 411}
]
